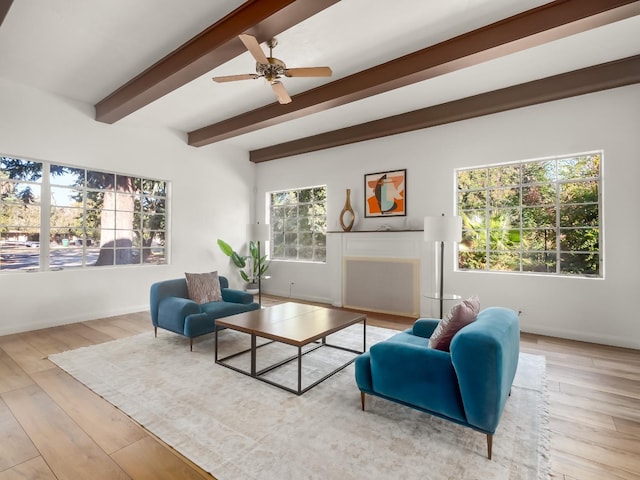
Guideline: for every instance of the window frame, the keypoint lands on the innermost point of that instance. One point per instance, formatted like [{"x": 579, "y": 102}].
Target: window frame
[
  {"x": 75, "y": 236},
  {"x": 520, "y": 253},
  {"x": 318, "y": 238}
]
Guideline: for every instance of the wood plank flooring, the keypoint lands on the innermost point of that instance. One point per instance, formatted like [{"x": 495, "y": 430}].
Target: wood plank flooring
[{"x": 53, "y": 427}]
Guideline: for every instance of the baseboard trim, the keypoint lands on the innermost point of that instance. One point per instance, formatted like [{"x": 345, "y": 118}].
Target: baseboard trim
[
  {"x": 56, "y": 322},
  {"x": 610, "y": 340}
]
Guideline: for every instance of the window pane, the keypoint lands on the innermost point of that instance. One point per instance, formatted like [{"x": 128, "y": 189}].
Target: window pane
[
  {"x": 155, "y": 256},
  {"x": 472, "y": 260},
  {"x": 472, "y": 179},
  {"x": 539, "y": 195},
  {"x": 505, "y": 218},
  {"x": 504, "y": 262},
  {"x": 579, "y": 240},
  {"x": 63, "y": 197},
  {"x": 579, "y": 215},
  {"x": 101, "y": 180},
  {"x": 17, "y": 169},
  {"x": 127, "y": 184},
  {"x": 66, "y": 257},
  {"x": 17, "y": 193},
  {"x": 16, "y": 256},
  {"x": 539, "y": 172},
  {"x": 579, "y": 167},
  {"x": 69, "y": 217},
  {"x": 502, "y": 197},
  {"x": 543, "y": 239},
  {"x": 468, "y": 199},
  {"x": 154, "y": 187},
  {"x": 153, "y": 205},
  {"x": 66, "y": 176},
  {"x": 539, "y": 217},
  {"x": 19, "y": 216},
  {"x": 579, "y": 192},
  {"x": 580, "y": 264},
  {"x": 504, "y": 175},
  {"x": 125, "y": 202},
  {"x": 539, "y": 262}
]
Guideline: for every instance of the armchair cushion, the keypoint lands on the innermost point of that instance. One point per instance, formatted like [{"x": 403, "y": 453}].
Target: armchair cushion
[
  {"x": 203, "y": 287},
  {"x": 236, "y": 296},
  {"x": 460, "y": 316},
  {"x": 172, "y": 312},
  {"x": 422, "y": 377},
  {"x": 424, "y": 327}
]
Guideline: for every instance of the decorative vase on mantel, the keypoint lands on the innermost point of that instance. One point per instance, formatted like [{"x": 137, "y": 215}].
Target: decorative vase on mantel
[{"x": 347, "y": 215}]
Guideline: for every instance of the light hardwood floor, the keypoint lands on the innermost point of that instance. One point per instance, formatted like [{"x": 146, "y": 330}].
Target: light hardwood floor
[{"x": 52, "y": 427}]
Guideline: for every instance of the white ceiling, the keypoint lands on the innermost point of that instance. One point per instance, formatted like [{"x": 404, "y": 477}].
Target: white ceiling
[{"x": 84, "y": 50}]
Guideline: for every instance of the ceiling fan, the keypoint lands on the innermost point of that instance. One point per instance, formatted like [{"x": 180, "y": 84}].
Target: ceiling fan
[{"x": 272, "y": 69}]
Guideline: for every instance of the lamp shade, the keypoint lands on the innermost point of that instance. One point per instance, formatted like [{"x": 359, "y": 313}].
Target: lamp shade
[
  {"x": 443, "y": 229},
  {"x": 258, "y": 232}
]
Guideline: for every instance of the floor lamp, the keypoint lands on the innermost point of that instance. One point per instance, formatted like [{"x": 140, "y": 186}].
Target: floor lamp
[
  {"x": 442, "y": 229},
  {"x": 258, "y": 232}
]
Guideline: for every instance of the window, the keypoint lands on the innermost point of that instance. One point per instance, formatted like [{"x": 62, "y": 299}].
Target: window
[
  {"x": 299, "y": 224},
  {"x": 539, "y": 216},
  {"x": 57, "y": 216}
]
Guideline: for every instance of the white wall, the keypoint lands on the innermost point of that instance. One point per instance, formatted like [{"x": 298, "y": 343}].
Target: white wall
[
  {"x": 211, "y": 198},
  {"x": 596, "y": 310}
]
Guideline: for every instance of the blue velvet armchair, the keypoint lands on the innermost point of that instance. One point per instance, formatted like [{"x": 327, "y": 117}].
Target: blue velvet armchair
[
  {"x": 468, "y": 385},
  {"x": 172, "y": 309}
]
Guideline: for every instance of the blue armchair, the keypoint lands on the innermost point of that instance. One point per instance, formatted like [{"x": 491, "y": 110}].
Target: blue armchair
[
  {"x": 172, "y": 309},
  {"x": 468, "y": 385}
]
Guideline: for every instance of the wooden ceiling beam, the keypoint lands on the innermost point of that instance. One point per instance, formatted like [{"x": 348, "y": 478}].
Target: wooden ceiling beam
[
  {"x": 534, "y": 27},
  {"x": 5, "y": 5},
  {"x": 209, "y": 49},
  {"x": 579, "y": 82}
]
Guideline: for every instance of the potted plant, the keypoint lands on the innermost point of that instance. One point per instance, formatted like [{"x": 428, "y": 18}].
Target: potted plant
[{"x": 248, "y": 264}]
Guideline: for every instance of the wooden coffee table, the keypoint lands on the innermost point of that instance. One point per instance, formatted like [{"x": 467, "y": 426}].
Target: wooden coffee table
[{"x": 294, "y": 324}]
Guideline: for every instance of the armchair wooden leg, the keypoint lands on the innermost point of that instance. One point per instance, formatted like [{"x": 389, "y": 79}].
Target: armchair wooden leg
[
  {"x": 489, "y": 445},
  {"x": 190, "y": 344},
  {"x": 155, "y": 331},
  {"x": 362, "y": 400}
]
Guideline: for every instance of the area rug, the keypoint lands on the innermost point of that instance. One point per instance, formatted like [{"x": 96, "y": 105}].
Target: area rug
[{"x": 236, "y": 427}]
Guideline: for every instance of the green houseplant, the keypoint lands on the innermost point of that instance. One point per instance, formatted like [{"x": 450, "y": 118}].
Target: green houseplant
[{"x": 248, "y": 264}]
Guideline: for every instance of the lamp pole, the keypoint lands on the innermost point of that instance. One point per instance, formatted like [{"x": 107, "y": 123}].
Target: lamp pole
[{"x": 441, "y": 278}]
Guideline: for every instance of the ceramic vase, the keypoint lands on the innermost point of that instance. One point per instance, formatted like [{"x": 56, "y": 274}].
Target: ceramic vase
[{"x": 347, "y": 215}]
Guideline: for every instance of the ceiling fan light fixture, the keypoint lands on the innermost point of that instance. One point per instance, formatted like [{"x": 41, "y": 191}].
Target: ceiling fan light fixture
[{"x": 271, "y": 68}]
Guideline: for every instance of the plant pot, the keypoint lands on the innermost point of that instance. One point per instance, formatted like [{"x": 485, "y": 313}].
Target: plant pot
[{"x": 252, "y": 288}]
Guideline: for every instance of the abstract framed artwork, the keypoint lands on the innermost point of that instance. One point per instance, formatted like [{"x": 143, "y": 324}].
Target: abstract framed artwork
[{"x": 385, "y": 194}]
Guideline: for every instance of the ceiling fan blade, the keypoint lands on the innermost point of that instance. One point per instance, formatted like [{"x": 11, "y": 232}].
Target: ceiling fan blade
[
  {"x": 308, "y": 72},
  {"x": 281, "y": 93},
  {"x": 233, "y": 78},
  {"x": 254, "y": 48}
]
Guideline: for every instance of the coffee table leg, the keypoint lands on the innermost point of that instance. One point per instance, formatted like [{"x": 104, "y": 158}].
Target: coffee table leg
[
  {"x": 299, "y": 370},
  {"x": 364, "y": 330},
  {"x": 253, "y": 355}
]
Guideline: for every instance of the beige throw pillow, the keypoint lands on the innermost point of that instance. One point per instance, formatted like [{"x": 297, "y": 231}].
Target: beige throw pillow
[
  {"x": 460, "y": 316},
  {"x": 204, "y": 287}
]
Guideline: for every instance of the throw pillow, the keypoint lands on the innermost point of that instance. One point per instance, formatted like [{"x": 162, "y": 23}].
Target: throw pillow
[
  {"x": 460, "y": 316},
  {"x": 204, "y": 287}
]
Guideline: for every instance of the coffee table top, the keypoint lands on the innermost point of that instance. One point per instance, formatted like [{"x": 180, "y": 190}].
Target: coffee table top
[{"x": 292, "y": 323}]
